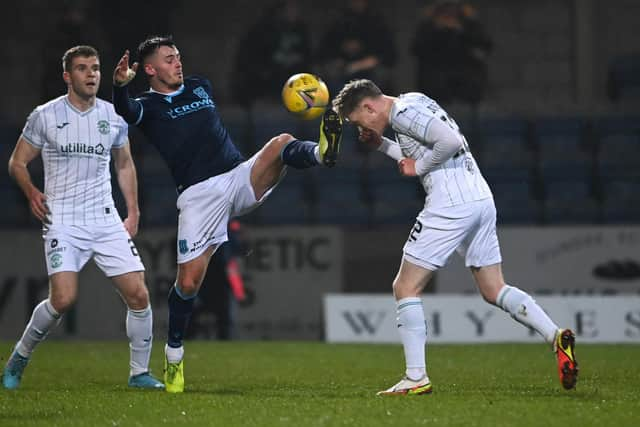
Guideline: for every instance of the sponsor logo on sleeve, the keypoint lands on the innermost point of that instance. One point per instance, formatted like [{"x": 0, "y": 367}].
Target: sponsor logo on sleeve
[{"x": 56, "y": 260}]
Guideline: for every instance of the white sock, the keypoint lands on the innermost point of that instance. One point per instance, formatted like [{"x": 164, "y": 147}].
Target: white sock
[
  {"x": 140, "y": 333},
  {"x": 316, "y": 152},
  {"x": 43, "y": 319},
  {"x": 174, "y": 354},
  {"x": 526, "y": 311},
  {"x": 413, "y": 332}
]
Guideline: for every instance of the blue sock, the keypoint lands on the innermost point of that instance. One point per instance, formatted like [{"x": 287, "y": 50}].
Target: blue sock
[
  {"x": 180, "y": 309},
  {"x": 299, "y": 154}
]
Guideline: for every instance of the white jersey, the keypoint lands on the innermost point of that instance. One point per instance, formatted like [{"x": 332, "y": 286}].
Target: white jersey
[
  {"x": 456, "y": 181},
  {"x": 76, "y": 151}
]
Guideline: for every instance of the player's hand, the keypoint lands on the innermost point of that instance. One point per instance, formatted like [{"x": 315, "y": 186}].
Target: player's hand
[
  {"x": 38, "y": 205},
  {"x": 131, "y": 224},
  {"x": 122, "y": 75},
  {"x": 407, "y": 167},
  {"x": 369, "y": 137}
]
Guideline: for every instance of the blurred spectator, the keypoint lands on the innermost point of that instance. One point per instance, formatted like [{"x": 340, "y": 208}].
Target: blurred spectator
[
  {"x": 276, "y": 47},
  {"x": 223, "y": 287},
  {"x": 452, "y": 48},
  {"x": 357, "y": 45}
]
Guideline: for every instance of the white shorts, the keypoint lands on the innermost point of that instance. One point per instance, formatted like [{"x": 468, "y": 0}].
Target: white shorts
[
  {"x": 69, "y": 247},
  {"x": 205, "y": 209},
  {"x": 469, "y": 228}
]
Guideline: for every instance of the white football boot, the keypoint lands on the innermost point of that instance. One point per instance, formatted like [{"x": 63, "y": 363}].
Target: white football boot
[{"x": 408, "y": 386}]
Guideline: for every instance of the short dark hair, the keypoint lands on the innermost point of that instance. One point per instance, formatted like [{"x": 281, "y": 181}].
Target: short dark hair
[
  {"x": 74, "y": 52},
  {"x": 352, "y": 93},
  {"x": 149, "y": 46}
]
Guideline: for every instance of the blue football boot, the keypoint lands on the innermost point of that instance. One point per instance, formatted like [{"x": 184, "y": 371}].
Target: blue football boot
[
  {"x": 12, "y": 373},
  {"x": 145, "y": 380}
]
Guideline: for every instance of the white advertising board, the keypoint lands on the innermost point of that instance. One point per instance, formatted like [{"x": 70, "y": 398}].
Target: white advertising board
[{"x": 468, "y": 319}]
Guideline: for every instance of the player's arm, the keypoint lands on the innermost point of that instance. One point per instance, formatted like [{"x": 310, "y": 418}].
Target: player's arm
[
  {"x": 381, "y": 143},
  {"x": 128, "y": 183},
  {"x": 22, "y": 155},
  {"x": 444, "y": 142},
  {"x": 130, "y": 109}
]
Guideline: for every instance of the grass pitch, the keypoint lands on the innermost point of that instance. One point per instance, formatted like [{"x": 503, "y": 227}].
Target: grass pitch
[{"x": 316, "y": 384}]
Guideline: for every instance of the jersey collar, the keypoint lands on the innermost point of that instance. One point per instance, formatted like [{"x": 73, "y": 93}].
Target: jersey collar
[
  {"x": 394, "y": 110},
  {"x": 168, "y": 96},
  {"x": 81, "y": 113}
]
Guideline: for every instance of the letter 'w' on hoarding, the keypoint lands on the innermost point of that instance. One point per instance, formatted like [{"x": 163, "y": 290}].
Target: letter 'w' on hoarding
[{"x": 364, "y": 321}]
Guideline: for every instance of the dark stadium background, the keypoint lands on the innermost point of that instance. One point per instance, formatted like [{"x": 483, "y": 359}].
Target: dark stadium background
[{"x": 559, "y": 149}]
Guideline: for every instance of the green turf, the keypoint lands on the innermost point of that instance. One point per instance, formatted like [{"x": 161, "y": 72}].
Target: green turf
[{"x": 315, "y": 384}]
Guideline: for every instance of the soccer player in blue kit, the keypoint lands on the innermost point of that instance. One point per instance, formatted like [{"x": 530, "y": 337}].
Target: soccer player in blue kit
[{"x": 213, "y": 180}]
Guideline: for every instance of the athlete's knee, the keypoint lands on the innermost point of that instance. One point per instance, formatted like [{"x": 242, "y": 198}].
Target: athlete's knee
[
  {"x": 490, "y": 292},
  {"x": 62, "y": 302},
  {"x": 189, "y": 285},
  {"x": 284, "y": 138},
  {"x": 489, "y": 281},
  {"x": 191, "y": 274},
  {"x": 404, "y": 289},
  {"x": 489, "y": 297},
  {"x": 277, "y": 143},
  {"x": 138, "y": 299}
]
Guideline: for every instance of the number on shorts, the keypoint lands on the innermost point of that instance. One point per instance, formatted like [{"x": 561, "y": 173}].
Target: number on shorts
[
  {"x": 134, "y": 250},
  {"x": 413, "y": 236}
]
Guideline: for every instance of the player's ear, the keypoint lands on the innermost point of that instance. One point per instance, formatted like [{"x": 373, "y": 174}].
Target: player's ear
[
  {"x": 66, "y": 77},
  {"x": 368, "y": 107},
  {"x": 149, "y": 70}
]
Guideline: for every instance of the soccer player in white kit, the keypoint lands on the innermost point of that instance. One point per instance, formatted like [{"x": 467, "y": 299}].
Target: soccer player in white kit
[
  {"x": 76, "y": 134},
  {"x": 459, "y": 215}
]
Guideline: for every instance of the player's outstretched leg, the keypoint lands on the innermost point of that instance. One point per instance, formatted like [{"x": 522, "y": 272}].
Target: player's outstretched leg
[
  {"x": 285, "y": 150},
  {"x": 301, "y": 154},
  {"x": 564, "y": 347}
]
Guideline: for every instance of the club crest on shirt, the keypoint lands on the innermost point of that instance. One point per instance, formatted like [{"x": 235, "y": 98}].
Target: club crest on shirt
[
  {"x": 201, "y": 93},
  {"x": 104, "y": 127}
]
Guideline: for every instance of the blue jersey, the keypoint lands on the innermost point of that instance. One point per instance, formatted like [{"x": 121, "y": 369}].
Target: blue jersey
[{"x": 186, "y": 129}]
